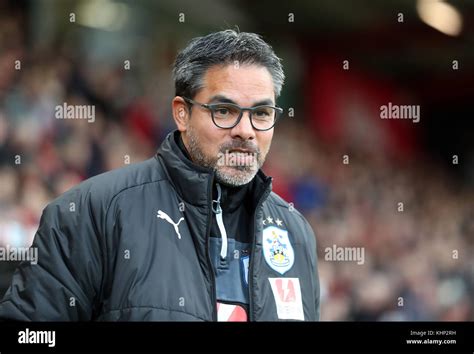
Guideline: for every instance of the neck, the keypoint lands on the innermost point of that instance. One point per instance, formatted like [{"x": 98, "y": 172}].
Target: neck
[{"x": 184, "y": 146}]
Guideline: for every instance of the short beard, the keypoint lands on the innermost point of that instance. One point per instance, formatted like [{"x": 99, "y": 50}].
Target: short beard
[{"x": 241, "y": 175}]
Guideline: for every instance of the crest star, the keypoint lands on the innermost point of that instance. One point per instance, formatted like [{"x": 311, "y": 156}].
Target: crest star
[
  {"x": 270, "y": 220},
  {"x": 279, "y": 222},
  {"x": 264, "y": 222}
]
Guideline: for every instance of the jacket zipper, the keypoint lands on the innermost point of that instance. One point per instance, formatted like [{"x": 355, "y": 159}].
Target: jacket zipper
[
  {"x": 211, "y": 268},
  {"x": 252, "y": 251},
  {"x": 220, "y": 222}
]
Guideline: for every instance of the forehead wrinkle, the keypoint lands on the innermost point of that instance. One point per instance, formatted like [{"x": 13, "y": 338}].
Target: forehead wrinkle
[{"x": 230, "y": 86}]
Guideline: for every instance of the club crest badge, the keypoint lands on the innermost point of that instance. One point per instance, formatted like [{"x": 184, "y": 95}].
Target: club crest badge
[{"x": 277, "y": 249}]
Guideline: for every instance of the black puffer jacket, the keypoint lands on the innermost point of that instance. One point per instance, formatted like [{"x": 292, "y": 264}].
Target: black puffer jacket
[{"x": 113, "y": 249}]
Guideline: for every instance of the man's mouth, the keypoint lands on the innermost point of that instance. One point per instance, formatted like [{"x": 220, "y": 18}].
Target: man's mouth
[
  {"x": 239, "y": 158},
  {"x": 243, "y": 151}
]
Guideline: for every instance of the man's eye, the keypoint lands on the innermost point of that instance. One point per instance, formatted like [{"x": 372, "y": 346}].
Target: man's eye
[
  {"x": 262, "y": 113},
  {"x": 222, "y": 111}
]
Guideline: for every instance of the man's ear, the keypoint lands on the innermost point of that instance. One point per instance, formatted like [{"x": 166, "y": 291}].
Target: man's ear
[{"x": 180, "y": 113}]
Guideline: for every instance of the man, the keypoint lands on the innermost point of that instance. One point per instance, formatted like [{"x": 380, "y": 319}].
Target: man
[{"x": 193, "y": 234}]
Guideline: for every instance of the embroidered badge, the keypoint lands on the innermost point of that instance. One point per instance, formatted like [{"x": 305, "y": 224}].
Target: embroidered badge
[{"x": 277, "y": 249}]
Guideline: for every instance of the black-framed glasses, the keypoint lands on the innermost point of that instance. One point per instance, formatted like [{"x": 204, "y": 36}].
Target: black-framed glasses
[{"x": 228, "y": 115}]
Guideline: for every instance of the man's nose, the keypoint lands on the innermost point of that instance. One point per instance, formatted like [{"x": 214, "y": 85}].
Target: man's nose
[{"x": 244, "y": 129}]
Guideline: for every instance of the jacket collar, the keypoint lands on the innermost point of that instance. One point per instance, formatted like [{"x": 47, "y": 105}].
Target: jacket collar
[{"x": 194, "y": 183}]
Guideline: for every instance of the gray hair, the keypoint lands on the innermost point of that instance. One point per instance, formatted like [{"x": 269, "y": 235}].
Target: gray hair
[{"x": 223, "y": 48}]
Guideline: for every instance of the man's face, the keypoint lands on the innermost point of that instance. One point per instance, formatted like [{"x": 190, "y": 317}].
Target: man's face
[{"x": 235, "y": 154}]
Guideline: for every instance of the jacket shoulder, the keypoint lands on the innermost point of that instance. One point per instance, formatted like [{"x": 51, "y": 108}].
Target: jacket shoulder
[
  {"x": 297, "y": 220},
  {"x": 279, "y": 202},
  {"x": 108, "y": 184}
]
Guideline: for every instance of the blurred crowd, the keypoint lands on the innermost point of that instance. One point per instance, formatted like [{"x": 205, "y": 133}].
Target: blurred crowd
[
  {"x": 41, "y": 156},
  {"x": 418, "y": 255},
  {"x": 418, "y": 261}
]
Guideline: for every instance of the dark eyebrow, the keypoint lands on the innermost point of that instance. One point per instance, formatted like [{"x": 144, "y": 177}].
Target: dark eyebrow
[{"x": 223, "y": 99}]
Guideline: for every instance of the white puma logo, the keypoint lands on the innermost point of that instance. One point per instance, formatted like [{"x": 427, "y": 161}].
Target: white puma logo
[{"x": 164, "y": 216}]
